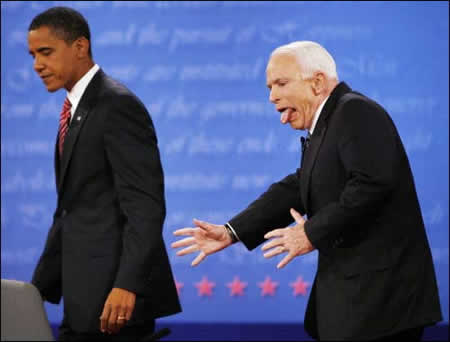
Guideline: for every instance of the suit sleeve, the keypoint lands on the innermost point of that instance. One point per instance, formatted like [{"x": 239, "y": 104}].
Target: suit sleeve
[
  {"x": 132, "y": 150},
  {"x": 47, "y": 276},
  {"x": 368, "y": 149},
  {"x": 269, "y": 211}
]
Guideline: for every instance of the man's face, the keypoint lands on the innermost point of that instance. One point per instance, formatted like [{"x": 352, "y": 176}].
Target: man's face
[
  {"x": 293, "y": 97},
  {"x": 54, "y": 60}
]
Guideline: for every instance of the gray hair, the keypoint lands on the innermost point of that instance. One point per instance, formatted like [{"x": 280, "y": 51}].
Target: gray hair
[{"x": 311, "y": 57}]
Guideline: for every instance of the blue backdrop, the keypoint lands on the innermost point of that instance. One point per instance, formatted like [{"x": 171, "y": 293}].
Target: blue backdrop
[{"x": 200, "y": 69}]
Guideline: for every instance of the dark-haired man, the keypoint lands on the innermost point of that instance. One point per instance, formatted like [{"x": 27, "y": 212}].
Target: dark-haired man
[{"x": 104, "y": 253}]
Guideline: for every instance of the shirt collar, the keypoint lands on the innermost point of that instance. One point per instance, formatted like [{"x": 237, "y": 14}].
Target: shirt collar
[
  {"x": 77, "y": 91},
  {"x": 316, "y": 115}
]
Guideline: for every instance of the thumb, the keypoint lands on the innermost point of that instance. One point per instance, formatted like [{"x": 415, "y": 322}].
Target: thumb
[
  {"x": 297, "y": 217},
  {"x": 201, "y": 224}
]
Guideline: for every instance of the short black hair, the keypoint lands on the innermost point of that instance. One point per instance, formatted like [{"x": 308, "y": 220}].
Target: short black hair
[{"x": 66, "y": 23}]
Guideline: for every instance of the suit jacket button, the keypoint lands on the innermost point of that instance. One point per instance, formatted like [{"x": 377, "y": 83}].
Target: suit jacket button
[{"x": 64, "y": 213}]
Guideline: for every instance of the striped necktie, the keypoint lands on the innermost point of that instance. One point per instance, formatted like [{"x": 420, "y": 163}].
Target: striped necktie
[{"x": 63, "y": 124}]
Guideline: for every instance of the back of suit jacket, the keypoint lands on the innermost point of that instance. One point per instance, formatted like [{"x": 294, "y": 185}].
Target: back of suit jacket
[
  {"x": 107, "y": 229},
  {"x": 375, "y": 273}
]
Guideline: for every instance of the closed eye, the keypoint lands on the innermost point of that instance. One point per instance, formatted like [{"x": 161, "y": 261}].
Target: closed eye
[{"x": 45, "y": 51}]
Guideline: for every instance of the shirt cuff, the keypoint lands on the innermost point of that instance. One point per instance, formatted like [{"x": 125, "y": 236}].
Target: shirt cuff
[{"x": 236, "y": 237}]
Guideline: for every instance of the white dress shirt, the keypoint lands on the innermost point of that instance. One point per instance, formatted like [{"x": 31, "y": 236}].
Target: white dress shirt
[
  {"x": 77, "y": 91},
  {"x": 316, "y": 115}
]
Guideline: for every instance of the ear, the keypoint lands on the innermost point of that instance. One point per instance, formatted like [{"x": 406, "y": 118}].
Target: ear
[
  {"x": 318, "y": 82},
  {"x": 82, "y": 47}
]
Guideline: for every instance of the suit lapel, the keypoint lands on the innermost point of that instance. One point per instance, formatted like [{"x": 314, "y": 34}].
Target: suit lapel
[
  {"x": 308, "y": 163},
  {"x": 71, "y": 137},
  {"x": 57, "y": 163},
  {"x": 77, "y": 122},
  {"x": 317, "y": 137}
]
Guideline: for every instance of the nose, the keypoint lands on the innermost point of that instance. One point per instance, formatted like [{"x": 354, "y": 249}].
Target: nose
[
  {"x": 38, "y": 66},
  {"x": 273, "y": 97}
]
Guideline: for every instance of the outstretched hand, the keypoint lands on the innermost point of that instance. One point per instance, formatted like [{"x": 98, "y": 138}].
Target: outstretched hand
[
  {"x": 292, "y": 240},
  {"x": 207, "y": 238}
]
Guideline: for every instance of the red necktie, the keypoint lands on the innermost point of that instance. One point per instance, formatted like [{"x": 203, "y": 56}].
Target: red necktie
[{"x": 63, "y": 124}]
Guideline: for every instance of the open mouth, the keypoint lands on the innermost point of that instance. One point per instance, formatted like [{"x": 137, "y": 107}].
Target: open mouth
[{"x": 286, "y": 114}]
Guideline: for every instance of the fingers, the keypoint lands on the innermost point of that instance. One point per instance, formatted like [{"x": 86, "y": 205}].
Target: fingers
[
  {"x": 275, "y": 251},
  {"x": 108, "y": 320},
  {"x": 184, "y": 231},
  {"x": 112, "y": 327},
  {"x": 199, "y": 235},
  {"x": 198, "y": 259},
  {"x": 203, "y": 225},
  {"x": 275, "y": 233},
  {"x": 285, "y": 260},
  {"x": 121, "y": 320},
  {"x": 117, "y": 310},
  {"x": 104, "y": 318},
  {"x": 272, "y": 243},
  {"x": 129, "y": 312},
  {"x": 188, "y": 250},
  {"x": 183, "y": 243},
  {"x": 124, "y": 315},
  {"x": 297, "y": 217}
]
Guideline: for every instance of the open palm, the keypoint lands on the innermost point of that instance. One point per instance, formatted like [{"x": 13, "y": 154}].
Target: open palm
[{"x": 207, "y": 238}]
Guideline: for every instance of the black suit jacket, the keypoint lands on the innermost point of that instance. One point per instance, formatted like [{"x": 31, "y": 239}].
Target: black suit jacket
[
  {"x": 107, "y": 229},
  {"x": 375, "y": 273}
]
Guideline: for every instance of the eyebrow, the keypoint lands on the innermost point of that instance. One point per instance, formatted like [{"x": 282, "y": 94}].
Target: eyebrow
[
  {"x": 269, "y": 85},
  {"x": 276, "y": 81},
  {"x": 41, "y": 49}
]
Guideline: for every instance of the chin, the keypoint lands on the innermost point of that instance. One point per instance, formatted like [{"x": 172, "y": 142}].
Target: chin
[
  {"x": 296, "y": 125},
  {"x": 54, "y": 84},
  {"x": 298, "y": 128},
  {"x": 52, "y": 89}
]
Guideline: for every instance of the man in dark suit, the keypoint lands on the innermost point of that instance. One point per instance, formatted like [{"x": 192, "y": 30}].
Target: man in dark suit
[
  {"x": 375, "y": 276},
  {"x": 104, "y": 254}
]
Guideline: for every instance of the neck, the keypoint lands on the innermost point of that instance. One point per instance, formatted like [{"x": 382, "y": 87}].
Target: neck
[
  {"x": 330, "y": 85},
  {"x": 85, "y": 67},
  {"x": 82, "y": 70}
]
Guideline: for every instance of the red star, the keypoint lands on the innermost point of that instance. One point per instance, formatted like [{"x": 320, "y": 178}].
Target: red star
[
  {"x": 268, "y": 287},
  {"x": 237, "y": 287},
  {"x": 205, "y": 287},
  {"x": 299, "y": 286},
  {"x": 179, "y": 286}
]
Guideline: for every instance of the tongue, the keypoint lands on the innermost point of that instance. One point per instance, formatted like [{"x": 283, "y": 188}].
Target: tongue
[{"x": 285, "y": 115}]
